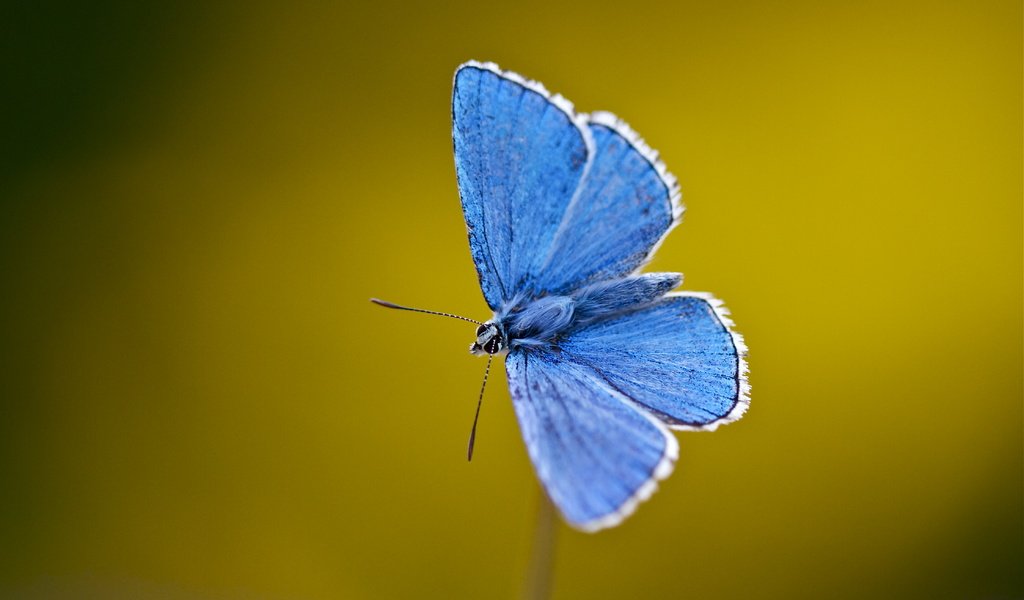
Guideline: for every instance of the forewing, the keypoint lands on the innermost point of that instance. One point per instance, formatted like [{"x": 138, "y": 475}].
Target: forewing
[
  {"x": 520, "y": 154},
  {"x": 597, "y": 454},
  {"x": 626, "y": 204},
  {"x": 678, "y": 358}
]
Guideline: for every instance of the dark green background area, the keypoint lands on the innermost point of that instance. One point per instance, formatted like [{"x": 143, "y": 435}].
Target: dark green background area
[{"x": 199, "y": 402}]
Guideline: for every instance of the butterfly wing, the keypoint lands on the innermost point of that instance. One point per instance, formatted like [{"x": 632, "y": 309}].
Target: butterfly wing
[
  {"x": 553, "y": 200},
  {"x": 597, "y": 454},
  {"x": 625, "y": 206},
  {"x": 678, "y": 358},
  {"x": 520, "y": 155}
]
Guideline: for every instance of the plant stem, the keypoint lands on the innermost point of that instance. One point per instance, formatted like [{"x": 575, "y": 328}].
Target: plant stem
[{"x": 537, "y": 585}]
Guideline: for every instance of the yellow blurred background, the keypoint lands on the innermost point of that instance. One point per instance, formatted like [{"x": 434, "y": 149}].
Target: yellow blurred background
[{"x": 198, "y": 200}]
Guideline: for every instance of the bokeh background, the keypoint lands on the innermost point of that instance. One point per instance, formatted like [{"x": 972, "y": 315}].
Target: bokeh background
[{"x": 199, "y": 402}]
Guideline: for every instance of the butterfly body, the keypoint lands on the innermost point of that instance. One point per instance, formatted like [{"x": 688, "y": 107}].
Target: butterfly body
[
  {"x": 562, "y": 211},
  {"x": 539, "y": 323}
]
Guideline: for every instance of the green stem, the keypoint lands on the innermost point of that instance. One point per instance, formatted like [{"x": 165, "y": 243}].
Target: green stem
[{"x": 537, "y": 585}]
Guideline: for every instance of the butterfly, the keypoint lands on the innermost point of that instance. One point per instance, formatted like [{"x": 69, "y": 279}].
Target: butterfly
[{"x": 603, "y": 361}]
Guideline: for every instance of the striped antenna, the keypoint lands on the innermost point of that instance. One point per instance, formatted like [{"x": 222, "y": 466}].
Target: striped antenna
[
  {"x": 479, "y": 401},
  {"x": 386, "y": 304}
]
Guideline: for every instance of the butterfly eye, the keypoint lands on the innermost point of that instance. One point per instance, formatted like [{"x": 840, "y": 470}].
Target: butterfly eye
[
  {"x": 481, "y": 329},
  {"x": 493, "y": 345}
]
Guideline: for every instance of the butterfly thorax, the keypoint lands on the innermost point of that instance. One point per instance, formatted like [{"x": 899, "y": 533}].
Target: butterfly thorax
[{"x": 529, "y": 321}]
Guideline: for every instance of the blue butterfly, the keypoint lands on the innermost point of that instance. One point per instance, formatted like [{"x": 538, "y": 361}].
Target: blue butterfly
[{"x": 563, "y": 209}]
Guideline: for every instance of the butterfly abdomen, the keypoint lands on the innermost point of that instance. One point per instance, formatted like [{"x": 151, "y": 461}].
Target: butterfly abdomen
[{"x": 608, "y": 298}]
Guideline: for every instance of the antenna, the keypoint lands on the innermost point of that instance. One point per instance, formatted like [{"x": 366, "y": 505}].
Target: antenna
[
  {"x": 487, "y": 371},
  {"x": 480, "y": 400},
  {"x": 386, "y": 304}
]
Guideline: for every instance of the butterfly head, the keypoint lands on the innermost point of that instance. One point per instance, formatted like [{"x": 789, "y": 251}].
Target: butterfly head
[{"x": 489, "y": 340}]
